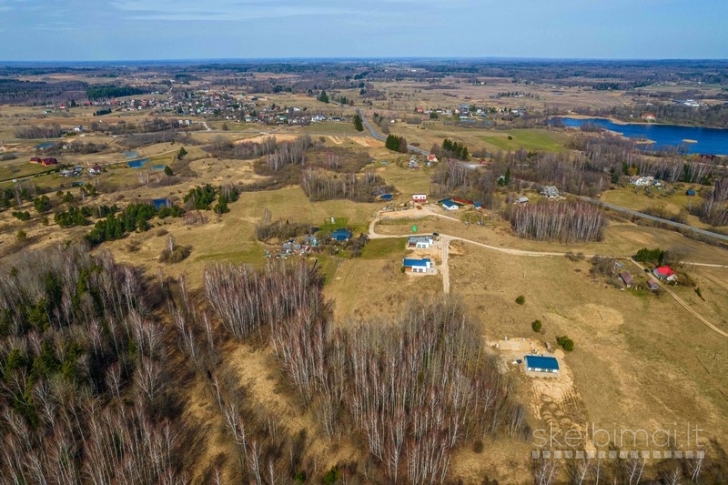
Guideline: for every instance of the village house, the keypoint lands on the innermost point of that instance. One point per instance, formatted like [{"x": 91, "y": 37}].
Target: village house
[
  {"x": 419, "y": 198},
  {"x": 449, "y": 205},
  {"x": 626, "y": 279},
  {"x": 641, "y": 181},
  {"x": 419, "y": 242},
  {"x": 541, "y": 364},
  {"x": 550, "y": 191},
  {"x": 417, "y": 265},
  {"x": 649, "y": 117},
  {"x": 664, "y": 273},
  {"x": 652, "y": 284},
  {"x": 341, "y": 235}
]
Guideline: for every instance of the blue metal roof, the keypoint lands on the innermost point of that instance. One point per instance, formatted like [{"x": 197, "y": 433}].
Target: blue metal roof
[
  {"x": 341, "y": 234},
  {"x": 539, "y": 362},
  {"x": 416, "y": 262}
]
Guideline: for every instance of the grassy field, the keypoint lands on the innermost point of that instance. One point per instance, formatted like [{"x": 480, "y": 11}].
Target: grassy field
[
  {"x": 512, "y": 140},
  {"x": 406, "y": 180},
  {"x": 384, "y": 248},
  {"x": 637, "y": 362},
  {"x": 672, "y": 199}
]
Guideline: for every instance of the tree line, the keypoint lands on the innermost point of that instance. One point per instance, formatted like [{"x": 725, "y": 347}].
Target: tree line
[
  {"x": 565, "y": 222},
  {"x": 84, "y": 374},
  {"x": 455, "y": 149},
  {"x": 396, "y": 143},
  {"x": 409, "y": 390}
]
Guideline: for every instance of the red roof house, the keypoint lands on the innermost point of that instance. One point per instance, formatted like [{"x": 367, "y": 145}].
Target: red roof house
[{"x": 664, "y": 273}]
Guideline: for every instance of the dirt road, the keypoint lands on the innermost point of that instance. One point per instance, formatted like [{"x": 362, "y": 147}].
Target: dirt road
[
  {"x": 446, "y": 239},
  {"x": 682, "y": 303}
]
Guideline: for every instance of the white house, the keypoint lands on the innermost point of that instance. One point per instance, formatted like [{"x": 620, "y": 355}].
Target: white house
[
  {"x": 450, "y": 205},
  {"x": 550, "y": 191},
  {"x": 417, "y": 265},
  {"x": 419, "y": 198},
  {"x": 419, "y": 242},
  {"x": 642, "y": 181}
]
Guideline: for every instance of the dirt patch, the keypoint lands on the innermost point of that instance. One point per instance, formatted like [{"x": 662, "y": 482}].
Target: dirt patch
[{"x": 336, "y": 140}]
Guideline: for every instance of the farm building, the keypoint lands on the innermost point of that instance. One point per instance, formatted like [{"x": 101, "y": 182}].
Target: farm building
[
  {"x": 47, "y": 162},
  {"x": 35, "y": 160},
  {"x": 653, "y": 285},
  {"x": 626, "y": 279},
  {"x": 341, "y": 235},
  {"x": 550, "y": 191},
  {"x": 522, "y": 200},
  {"x": 419, "y": 242},
  {"x": 95, "y": 170},
  {"x": 417, "y": 265},
  {"x": 664, "y": 273},
  {"x": 537, "y": 363},
  {"x": 419, "y": 198}
]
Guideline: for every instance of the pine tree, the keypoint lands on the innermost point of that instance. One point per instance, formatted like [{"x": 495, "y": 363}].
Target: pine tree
[
  {"x": 323, "y": 97},
  {"x": 358, "y": 123}
]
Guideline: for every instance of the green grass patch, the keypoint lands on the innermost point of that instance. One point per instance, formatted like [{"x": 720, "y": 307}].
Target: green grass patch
[
  {"x": 528, "y": 139},
  {"x": 384, "y": 248},
  {"x": 327, "y": 266},
  {"x": 338, "y": 223},
  {"x": 252, "y": 255}
]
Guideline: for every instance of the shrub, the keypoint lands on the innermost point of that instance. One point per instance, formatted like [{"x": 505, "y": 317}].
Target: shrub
[
  {"x": 521, "y": 299},
  {"x": 23, "y": 216},
  {"x": 536, "y": 325},
  {"x": 574, "y": 257},
  {"x": 21, "y": 235},
  {"x": 478, "y": 446},
  {"x": 162, "y": 232},
  {"x": 176, "y": 255},
  {"x": 566, "y": 343}
]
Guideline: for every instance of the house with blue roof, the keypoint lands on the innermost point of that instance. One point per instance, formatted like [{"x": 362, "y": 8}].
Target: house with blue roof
[
  {"x": 449, "y": 205},
  {"x": 341, "y": 235},
  {"x": 417, "y": 265},
  {"x": 542, "y": 364}
]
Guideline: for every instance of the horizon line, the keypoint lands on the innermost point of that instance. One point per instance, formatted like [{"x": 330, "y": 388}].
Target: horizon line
[{"x": 355, "y": 58}]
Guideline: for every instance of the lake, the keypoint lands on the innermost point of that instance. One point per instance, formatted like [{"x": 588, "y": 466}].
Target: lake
[{"x": 709, "y": 140}]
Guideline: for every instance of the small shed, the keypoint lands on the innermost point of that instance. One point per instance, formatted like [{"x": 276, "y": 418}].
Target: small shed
[
  {"x": 522, "y": 200},
  {"x": 690, "y": 192},
  {"x": 161, "y": 203},
  {"x": 626, "y": 279},
  {"x": 652, "y": 284},
  {"x": 539, "y": 363}
]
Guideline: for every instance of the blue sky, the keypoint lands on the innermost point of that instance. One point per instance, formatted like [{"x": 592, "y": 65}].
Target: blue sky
[{"x": 32, "y": 30}]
